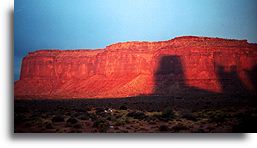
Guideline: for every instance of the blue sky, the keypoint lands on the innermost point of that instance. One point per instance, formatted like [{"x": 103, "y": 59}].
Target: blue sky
[{"x": 71, "y": 24}]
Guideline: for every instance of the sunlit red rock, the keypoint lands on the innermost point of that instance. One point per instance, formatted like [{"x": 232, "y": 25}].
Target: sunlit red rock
[{"x": 184, "y": 65}]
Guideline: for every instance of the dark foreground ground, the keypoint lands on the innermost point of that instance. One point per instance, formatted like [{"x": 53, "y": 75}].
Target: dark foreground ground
[{"x": 137, "y": 114}]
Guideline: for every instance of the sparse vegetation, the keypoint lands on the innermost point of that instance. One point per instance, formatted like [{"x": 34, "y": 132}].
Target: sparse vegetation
[
  {"x": 47, "y": 124},
  {"x": 164, "y": 128},
  {"x": 180, "y": 126},
  {"x": 58, "y": 118},
  {"x": 123, "y": 107},
  {"x": 189, "y": 116},
  {"x": 71, "y": 122},
  {"x": 218, "y": 117},
  {"x": 101, "y": 125},
  {"x": 136, "y": 114},
  {"x": 167, "y": 114},
  {"x": 84, "y": 116}
]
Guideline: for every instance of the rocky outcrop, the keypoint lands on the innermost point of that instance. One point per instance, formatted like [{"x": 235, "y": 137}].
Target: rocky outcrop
[{"x": 184, "y": 65}]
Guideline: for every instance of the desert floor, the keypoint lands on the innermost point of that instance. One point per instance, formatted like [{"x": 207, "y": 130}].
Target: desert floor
[{"x": 142, "y": 114}]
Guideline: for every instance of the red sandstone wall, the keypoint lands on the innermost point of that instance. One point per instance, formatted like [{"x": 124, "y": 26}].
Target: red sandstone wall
[{"x": 190, "y": 65}]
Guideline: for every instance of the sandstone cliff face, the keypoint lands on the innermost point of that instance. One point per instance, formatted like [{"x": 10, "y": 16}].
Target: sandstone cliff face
[{"x": 184, "y": 65}]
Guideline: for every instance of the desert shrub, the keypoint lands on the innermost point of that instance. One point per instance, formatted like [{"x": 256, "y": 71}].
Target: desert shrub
[
  {"x": 72, "y": 121},
  {"x": 218, "y": 117},
  {"x": 189, "y": 116},
  {"x": 92, "y": 117},
  {"x": 58, "y": 118},
  {"x": 153, "y": 122},
  {"x": 68, "y": 113},
  {"x": 153, "y": 116},
  {"x": 77, "y": 125},
  {"x": 103, "y": 128},
  {"x": 109, "y": 117},
  {"x": 136, "y": 115},
  {"x": 101, "y": 125},
  {"x": 178, "y": 127},
  {"x": 163, "y": 128},
  {"x": 48, "y": 124},
  {"x": 123, "y": 107},
  {"x": 150, "y": 118},
  {"x": 98, "y": 122},
  {"x": 99, "y": 110},
  {"x": 167, "y": 114},
  {"x": 120, "y": 122},
  {"x": 83, "y": 117},
  {"x": 75, "y": 114},
  {"x": 119, "y": 113}
]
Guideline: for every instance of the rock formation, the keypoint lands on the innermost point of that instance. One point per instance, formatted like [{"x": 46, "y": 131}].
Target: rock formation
[{"x": 181, "y": 66}]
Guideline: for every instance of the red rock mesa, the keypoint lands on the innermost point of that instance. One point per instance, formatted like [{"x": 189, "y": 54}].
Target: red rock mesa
[{"x": 181, "y": 66}]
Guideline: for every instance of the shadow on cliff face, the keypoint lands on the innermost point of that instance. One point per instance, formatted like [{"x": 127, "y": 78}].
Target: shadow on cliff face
[
  {"x": 230, "y": 81},
  {"x": 170, "y": 80},
  {"x": 252, "y": 74}
]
